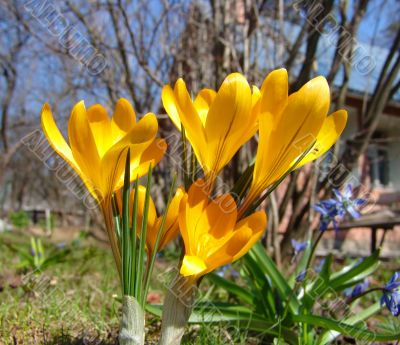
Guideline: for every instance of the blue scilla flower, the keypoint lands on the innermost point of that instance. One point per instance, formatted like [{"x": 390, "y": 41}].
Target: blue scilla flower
[
  {"x": 346, "y": 203},
  {"x": 301, "y": 276},
  {"x": 298, "y": 246},
  {"x": 333, "y": 209},
  {"x": 318, "y": 267},
  {"x": 221, "y": 271},
  {"x": 391, "y": 294},
  {"x": 357, "y": 290},
  {"x": 328, "y": 210}
]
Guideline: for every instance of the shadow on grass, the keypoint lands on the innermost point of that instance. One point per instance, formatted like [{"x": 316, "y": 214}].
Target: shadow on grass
[{"x": 65, "y": 339}]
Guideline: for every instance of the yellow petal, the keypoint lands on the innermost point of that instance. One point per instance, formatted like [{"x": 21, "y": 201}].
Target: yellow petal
[
  {"x": 274, "y": 92},
  {"x": 331, "y": 130},
  {"x": 192, "y": 265},
  {"x": 139, "y": 139},
  {"x": 194, "y": 129},
  {"x": 100, "y": 125},
  {"x": 59, "y": 145},
  {"x": 203, "y": 102},
  {"x": 111, "y": 170},
  {"x": 246, "y": 233},
  {"x": 191, "y": 209},
  {"x": 151, "y": 155},
  {"x": 55, "y": 137},
  {"x": 171, "y": 105},
  {"x": 151, "y": 217},
  {"x": 171, "y": 226},
  {"x": 83, "y": 145},
  {"x": 296, "y": 130},
  {"x": 123, "y": 120},
  {"x": 227, "y": 121},
  {"x": 220, "y": 216},
  {"x": 256, "y": 222},
  {"x": 253, "y": 120}
]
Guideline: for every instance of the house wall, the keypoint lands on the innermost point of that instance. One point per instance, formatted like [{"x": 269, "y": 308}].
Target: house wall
[{"x": 388, "y": 131}]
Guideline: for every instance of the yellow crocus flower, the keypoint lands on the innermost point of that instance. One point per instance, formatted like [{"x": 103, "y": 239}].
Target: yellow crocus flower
[
  {"x": 216, "y": 124},
  {"x": 212, "y": 234},
  {"x": 171, "y": 227},
  {"x": 288, "y": 126},
  {"x": 98, "y": 146}
]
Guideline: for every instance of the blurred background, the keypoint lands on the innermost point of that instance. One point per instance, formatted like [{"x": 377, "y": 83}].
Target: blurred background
[{"x": 61, "y": 52}]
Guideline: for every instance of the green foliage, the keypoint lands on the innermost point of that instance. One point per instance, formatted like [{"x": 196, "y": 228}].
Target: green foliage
[
  {"x": 19, "y": 219},
  {"x": 137, "y": 264},
  {"x": 281, "y": 310},
  {"x": 36, "y": 257}
]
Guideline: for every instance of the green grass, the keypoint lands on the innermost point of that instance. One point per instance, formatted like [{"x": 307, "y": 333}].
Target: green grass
[
  {"x": 72, "y": 300},
  {"x": 76, "y": 301}
]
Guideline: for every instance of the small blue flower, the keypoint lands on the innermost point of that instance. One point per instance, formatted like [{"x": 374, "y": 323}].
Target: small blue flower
[
  {"x": 328, "y": 210},
  {"x": 346, "y": 204},
  {"x": 391, "y": 294},
  {"x": 221, "y": 271},
  {"x": 301, "y": 276},
  {"x": 235, "y": 274},
  {"x": 333, "y": 209},
  {"x": 357, "y": 290},
  {"x": 298, "y": 246},
  {"x": 61, "y": 245},
  {"x": 318, "y": 268}
]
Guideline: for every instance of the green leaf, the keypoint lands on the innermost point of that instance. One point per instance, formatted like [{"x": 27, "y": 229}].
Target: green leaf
[
  {"x": 241, "y": 317},
  {"x": 125, "y": 238},
  {"x": 329, "y": 336},
  {"x": 231, "y": 287},
  {"x": 318, "y": 287},
  {"x": 134, "y": 251},
  {"x": 142, "y": 241},
  {"x": 349, "y": 276},
  {"x": 265, "y": 299},
  {"x": 160, "y": 231},
  {"x": 344, "y": 328},
  {"x": 269, "y": 268}
]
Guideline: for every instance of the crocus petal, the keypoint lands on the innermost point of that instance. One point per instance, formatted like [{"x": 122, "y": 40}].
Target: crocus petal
[
  {"x": 190, "y": 211},
  {"x": 123, "y": 120},
  {"x": 331, "y": 129},
  {"x": 56, "y": 139},
  {"x": 181, "y": 110},
  {"x": 59, "y": 145},
  {"x": 100, "y": 125},
  {"x": 203, "y": 102},
  {"x": 152, "y": 155},
  {"x": 274, "y": 90},
  {"x": 83, "y": 145},
  {"x": 171, "y": 226},
  {"x": 139, "y": 139},
  {"x": 257, "y": 223},
  {"x": 192, "y": 265},
  {"x": 227, "y": 117},
  {"x": 297, "y": 129},
  {"x": 220, "y": 216},
  {"x": 171, "y": 105},
  {"x": 247, "y": 232},
  {"x": 253, "y": 119},
  {"x": 151, "y": 216}
]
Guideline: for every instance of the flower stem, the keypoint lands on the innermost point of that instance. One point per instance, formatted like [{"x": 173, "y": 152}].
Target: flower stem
[
  {"x": 132, "y": 322},
  {"x": 178, "y": 306}
]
